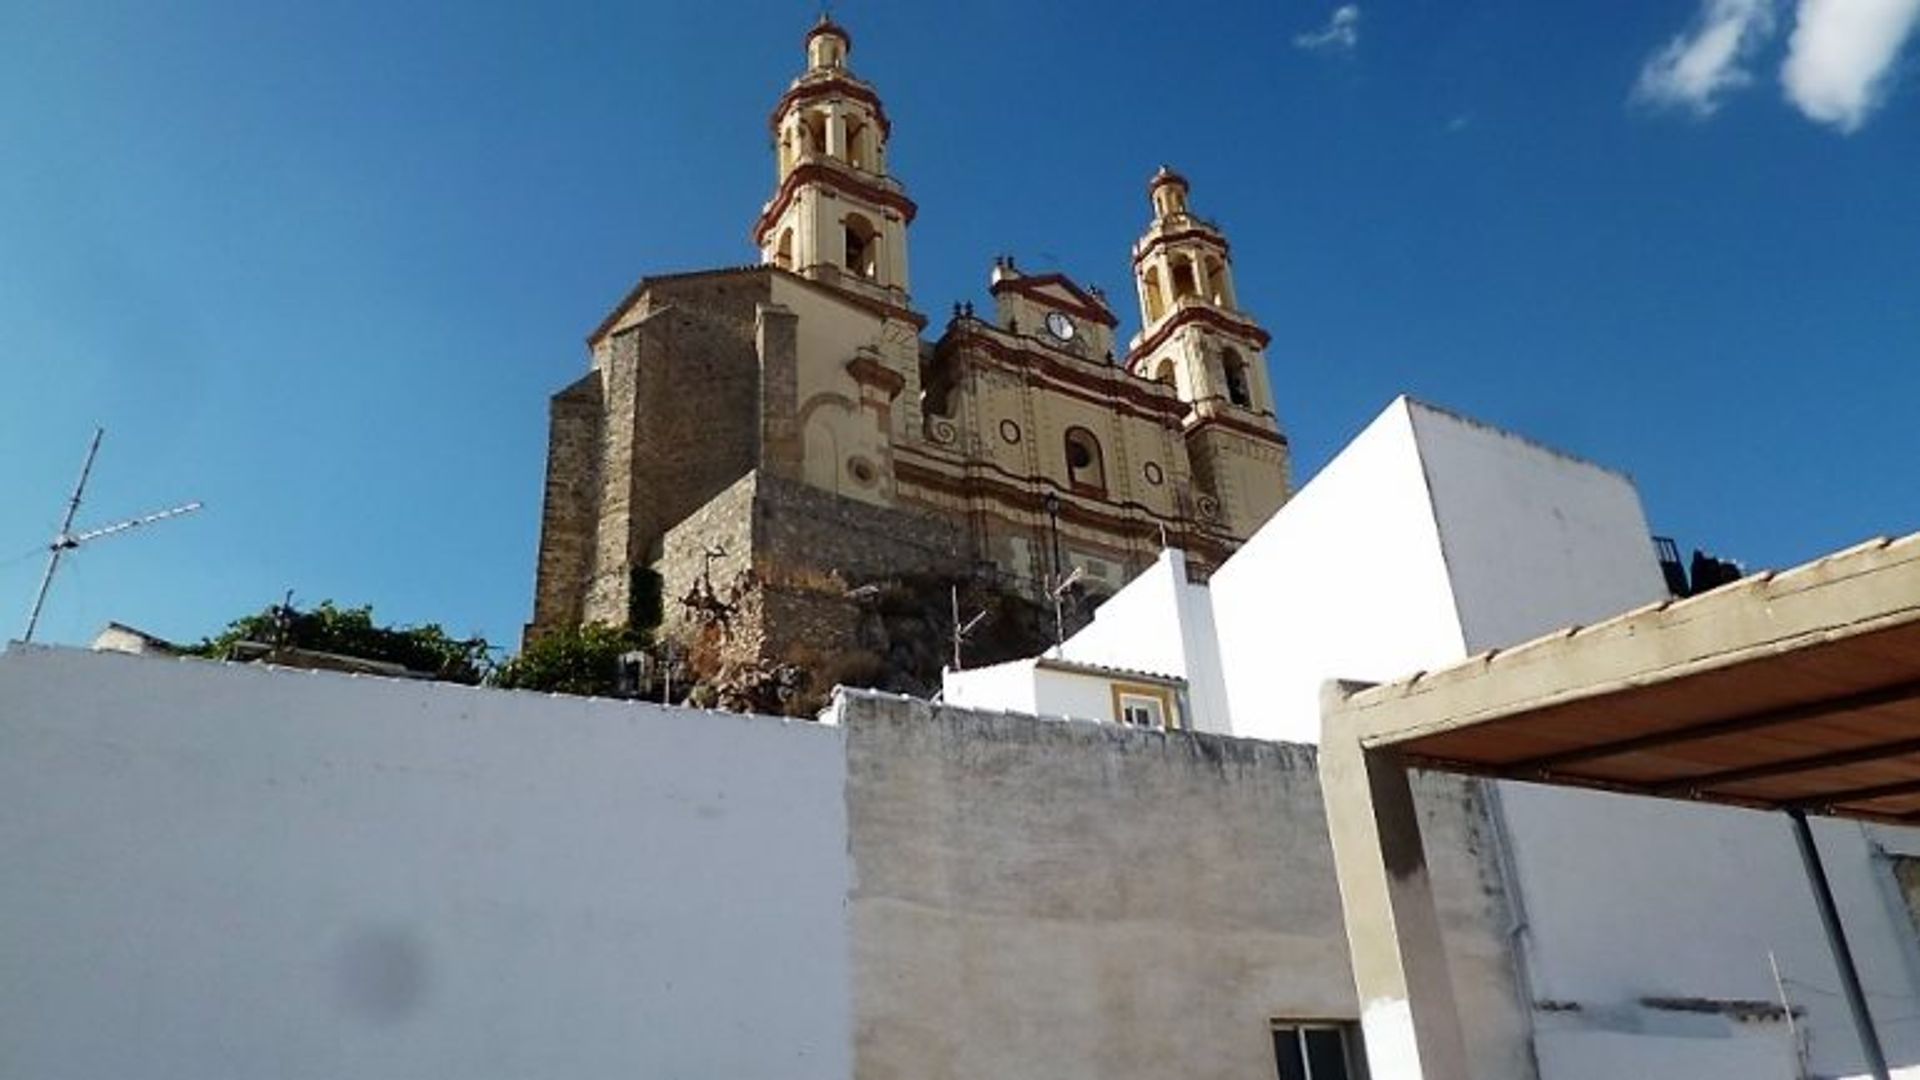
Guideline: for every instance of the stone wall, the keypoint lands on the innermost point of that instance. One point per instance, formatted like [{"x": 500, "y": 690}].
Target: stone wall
[
  {"x": 567, "y": 515},
  {"x": 676, "y": 422},
  {"x": 794, "y": 556},
  {"x": 1044, "y": 898}
]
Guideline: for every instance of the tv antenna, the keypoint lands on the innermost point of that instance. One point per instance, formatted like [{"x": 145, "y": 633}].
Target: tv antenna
[
  {"x": 962, "y": 632},
  {"x": 67, "y": 540},
  {"x": 1059, "y": 594}
]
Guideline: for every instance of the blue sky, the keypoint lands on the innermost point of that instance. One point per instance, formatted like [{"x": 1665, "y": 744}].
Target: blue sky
[{"x": 320, "y": 265}]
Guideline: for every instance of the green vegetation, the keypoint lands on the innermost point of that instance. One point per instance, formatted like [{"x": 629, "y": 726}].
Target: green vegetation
[
  {"x": 351, "y": 632},
  {"x": 578, "y": 660}
]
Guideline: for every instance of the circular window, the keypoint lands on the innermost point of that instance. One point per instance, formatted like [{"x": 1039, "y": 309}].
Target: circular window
[
  {"x": 861, "y": 470},
  {"x": 1153, "y": 473},
  {"x": 1010, "y": 431}
]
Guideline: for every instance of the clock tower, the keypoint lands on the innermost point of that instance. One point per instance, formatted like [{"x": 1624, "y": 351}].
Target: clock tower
[{"x": 836, "y": 217}]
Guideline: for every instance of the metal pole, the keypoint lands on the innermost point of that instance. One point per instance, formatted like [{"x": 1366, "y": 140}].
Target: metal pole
[
  {"x": 1052, "y": 504},
  {"x": 64, "y": 539},
  {"x": 956, "y": 628},
  {"x": 1837, "y": 941}
]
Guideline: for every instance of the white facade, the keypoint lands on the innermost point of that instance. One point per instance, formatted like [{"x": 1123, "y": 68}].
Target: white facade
[
  {"x": 1066, "y": 689},
  {"x": 221, "y": 871},
  {"x": 216, "y": 870},
  {"x": 1161, "y": 622},
  {"x": 1642, "y": 929}
]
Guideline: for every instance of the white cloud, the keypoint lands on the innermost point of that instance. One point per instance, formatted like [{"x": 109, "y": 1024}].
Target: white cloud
[
  {"x": 1840, "y": 56},
  {"x": 1341, "y": 33},
  {"x": 1697, "y": 67}
]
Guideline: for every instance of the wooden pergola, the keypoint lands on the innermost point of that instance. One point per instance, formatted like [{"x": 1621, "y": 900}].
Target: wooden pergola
[{"x": 1796, "y": 691}]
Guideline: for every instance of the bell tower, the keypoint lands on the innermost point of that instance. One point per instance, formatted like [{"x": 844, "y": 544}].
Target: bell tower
[
  {"x": 1195, "y": 338},
  {"x": 1193, "y": 334},
  {"x": 836, "y": 217}
]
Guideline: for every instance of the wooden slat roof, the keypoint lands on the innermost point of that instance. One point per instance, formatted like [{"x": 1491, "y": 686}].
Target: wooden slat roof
[{"x": 1792, "y": 689}]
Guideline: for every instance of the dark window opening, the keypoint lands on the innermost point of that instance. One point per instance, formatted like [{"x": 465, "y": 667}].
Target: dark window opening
[
  {"x": 1235, "y": 369},
  {"x": 1317, "y": 1052}
]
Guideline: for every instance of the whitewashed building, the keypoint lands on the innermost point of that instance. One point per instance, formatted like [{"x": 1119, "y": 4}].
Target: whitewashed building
[{"x": 1650, "y": 938}]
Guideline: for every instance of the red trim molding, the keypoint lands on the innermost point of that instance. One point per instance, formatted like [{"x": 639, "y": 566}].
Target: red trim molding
[
  {"x": 1212, "y": 317},
  {"x": 831, "y": 87},
  {"x": 1240, "y": 427},
  {"x": 1084, "y": 304},
  {"x": 1026, "y": 500},
  {"x": 825, "y": 176},
  {"x": 1120, "y": 387},
  {"x": 1211, "y": 236}
]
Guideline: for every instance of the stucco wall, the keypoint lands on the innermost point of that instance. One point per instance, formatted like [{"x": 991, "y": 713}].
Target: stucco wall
[
  {"x": 1161, "y": 622},
  {"x": 1629, "y": 899},
  {"x": 1533, "y": 540},
  {"x": 1346, "y": 581},
  {"x": 1042, "y": 899},
  {"x": 216, "y": 871}
]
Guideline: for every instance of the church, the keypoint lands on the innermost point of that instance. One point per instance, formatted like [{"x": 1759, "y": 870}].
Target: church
[{"x": 833, "y": 442}]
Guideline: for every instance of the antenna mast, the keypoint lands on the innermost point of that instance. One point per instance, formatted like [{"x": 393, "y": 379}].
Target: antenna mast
[{"x": 67, "y": 540}]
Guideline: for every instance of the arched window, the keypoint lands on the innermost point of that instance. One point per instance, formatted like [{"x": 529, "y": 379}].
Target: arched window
[
  {"x": 863, "y": 248},
  {"x": 859, "y": 145},
  {"x": 1164, "y": 374},
  {"x": 1235, "y": 369},
  {"x": 814, "y": 126},
  {"x": 783, "y": 253},
  {"x": 1156, "y": 300},
  {"x": 1183, "y": 280},
  {"x": 1085, "y": 468},
  {"x": 1217, "y": 282}
]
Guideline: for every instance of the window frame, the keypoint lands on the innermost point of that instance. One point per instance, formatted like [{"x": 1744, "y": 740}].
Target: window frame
[
  {"x": 1160, "y": 697},
  {"x": 1352, "y": 1053}
]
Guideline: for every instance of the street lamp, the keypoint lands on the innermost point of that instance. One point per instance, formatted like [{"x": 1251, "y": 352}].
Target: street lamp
[{"x": 1052, "y": 504}]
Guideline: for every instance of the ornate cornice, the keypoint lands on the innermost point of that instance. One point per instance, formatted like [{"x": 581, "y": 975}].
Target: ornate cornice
[
  {"x": 1213, "y": 237},
  {"x": 870, "y": 372},
  {"x": 830, "y": 87},
  {"x": 1083, "y": 303},
  {"x": 1114, "y": 385},
  {"x": 1239, "y": 427},
  {"x": 1197, "y": 313},
  {"x": 826, "y": 176}
]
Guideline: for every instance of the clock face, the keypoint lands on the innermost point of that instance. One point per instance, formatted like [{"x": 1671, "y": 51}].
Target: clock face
[{"x": 1059, "y": 326}]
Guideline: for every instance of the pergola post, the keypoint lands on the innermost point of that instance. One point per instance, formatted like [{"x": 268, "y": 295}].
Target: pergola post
[
  {"x": 1837, "y": 941},
  {"x": 1407, "y": 1013}
]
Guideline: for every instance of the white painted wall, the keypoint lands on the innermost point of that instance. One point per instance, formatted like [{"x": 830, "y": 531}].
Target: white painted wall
[
  {"x": 1009, "y": 686},
  {"x": 1346, "y": 580},
  {"x": 216, "y": 871},
  {"x": 1533, "y": 540},
  {"x": 1630, "y": 898},
  {"x": 1162, "y": 623},
  {"x": 1025, "y": 686}
]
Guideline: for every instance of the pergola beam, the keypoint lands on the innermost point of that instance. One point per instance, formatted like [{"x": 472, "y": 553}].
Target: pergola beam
[{"x": 1545, "y": 764}]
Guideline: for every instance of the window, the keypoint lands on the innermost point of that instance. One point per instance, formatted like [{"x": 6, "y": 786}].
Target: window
[
  {"x": 783, "y": 252},
  {"x": 1142, "y": 712},
  {"x": 1236, "y": 372},
  {"x": 1217, "y": 282},
  {"x": 1140, "y": 705},
  {"x": 1085, "y": 470},
  {"x": 863, "y": 248},
  {"x": 1184, "y": 284},
  {"x": 1317, "y": 1052},
  {"x": 1156, "y": 299}
]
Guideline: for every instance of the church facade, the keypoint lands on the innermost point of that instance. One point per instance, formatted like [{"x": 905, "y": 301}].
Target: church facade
[{"x": 831, "y": 442}]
